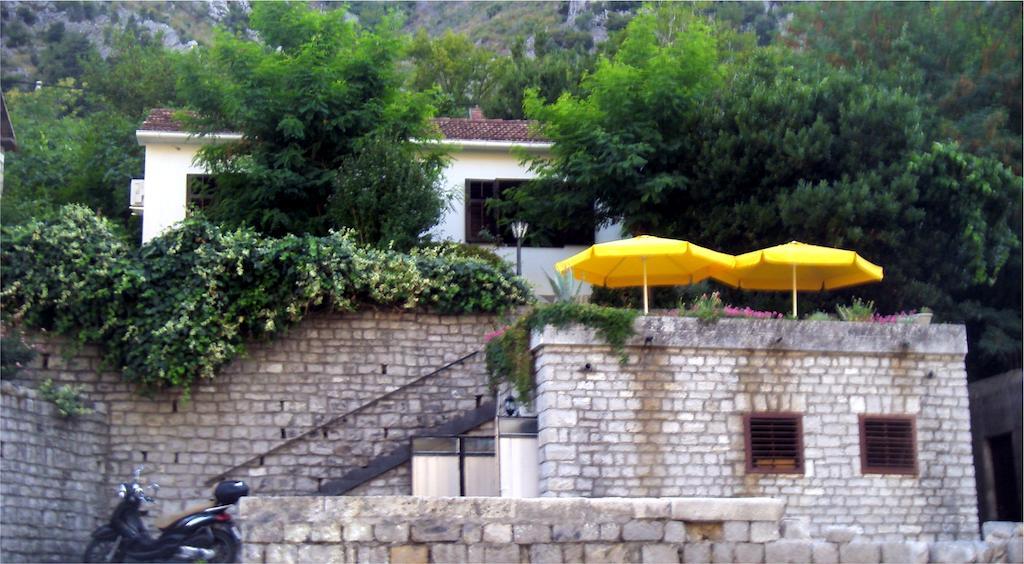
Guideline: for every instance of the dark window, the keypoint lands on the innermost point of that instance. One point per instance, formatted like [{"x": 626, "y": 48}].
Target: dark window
[
  {"x": 1004, "y": 477},
  {"x": 775, "y": 443},
  {"x": 482, "y": 224},
  {"x": 887, "y": 444},
  {"x": 486, "y": 224},
  {"x": 200, "y": 191}
]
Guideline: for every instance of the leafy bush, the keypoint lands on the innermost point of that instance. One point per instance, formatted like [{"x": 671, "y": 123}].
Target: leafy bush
[
  {"x": 508, "y": 350},
  {"x": 388, "y": 192},
  {"x": 14, "y": 354},
  {"x": 858, "y": 310},
  {"x": 184, "y": 304},
  {"x": 27, "y": 15},
  {"x": 466, "y": 285},
  {"x": 465, "y": 250},
  {"x": 17, "y": 34},
  {"x": 708, "y": 307},
  {"x": 67, "y": 273},
  {"x": 67, "y": 398}
]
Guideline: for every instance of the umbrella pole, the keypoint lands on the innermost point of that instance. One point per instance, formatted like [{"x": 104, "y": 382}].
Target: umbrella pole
[
  {"x": 644, "y": 262},
  {"x": 794, "y": 291}
]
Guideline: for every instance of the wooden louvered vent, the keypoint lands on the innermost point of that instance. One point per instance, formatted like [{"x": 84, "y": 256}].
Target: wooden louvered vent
[
  {"x": 774, "y": 443},
  {"x": 887, "y": 444}
]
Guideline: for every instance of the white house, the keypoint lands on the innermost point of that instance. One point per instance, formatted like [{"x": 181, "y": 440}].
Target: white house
[{"x": 482, "y": 165}]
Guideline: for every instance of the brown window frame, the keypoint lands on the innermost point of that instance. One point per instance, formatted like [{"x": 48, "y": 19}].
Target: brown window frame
[
  {"x": 496, "y": 186},
  {"x": 903, "y": 471},
  {"x": 195, "y": 200},
  {"x": 797, "y": 417}
]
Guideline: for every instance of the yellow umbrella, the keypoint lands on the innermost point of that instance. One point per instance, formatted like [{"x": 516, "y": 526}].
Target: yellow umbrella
[
  {"x": 798, "y": 266},
  {"x": 644, "y": 261}
]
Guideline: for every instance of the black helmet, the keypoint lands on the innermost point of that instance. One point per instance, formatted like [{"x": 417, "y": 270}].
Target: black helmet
[{"x": 229, "y": 491}]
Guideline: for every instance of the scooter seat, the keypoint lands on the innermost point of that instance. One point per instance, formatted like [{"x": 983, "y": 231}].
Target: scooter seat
[{"x": 167, "y": 520}]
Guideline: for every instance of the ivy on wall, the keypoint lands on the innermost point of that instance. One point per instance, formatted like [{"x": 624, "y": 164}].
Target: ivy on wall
[
  {"x": 183, "y": 305},
  {"x": 508, "y": 350}
]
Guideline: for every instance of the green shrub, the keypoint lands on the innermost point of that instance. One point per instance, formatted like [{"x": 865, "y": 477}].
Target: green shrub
[
  {"x": 27, "y": 15},
  {"x": 184, "y": 304},
  {"x": 17, "y": 35},
  {"x": 508, "y": 350},
  {"x": 467, "y": 285},
  {"x": 67, "y": 273},
  {"x": 707, "y": 308},
  {"x": 67, "y": 399},
  {"x": 466, "y": 250},
  {"x": 14, "y": 354},
  {"x": 858, "y": 310}
]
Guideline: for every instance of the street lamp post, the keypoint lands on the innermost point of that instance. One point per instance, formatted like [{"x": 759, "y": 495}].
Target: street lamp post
[{"x": 519, "y": 232}]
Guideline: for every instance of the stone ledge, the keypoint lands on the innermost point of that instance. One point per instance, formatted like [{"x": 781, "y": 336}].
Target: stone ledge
[
  {"x": 727, "y": 509},
  {"x": 777, "y": 335},
  {"x": 558, "y": 510}
]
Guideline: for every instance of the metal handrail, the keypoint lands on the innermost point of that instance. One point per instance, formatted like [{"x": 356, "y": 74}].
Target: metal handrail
[{"x": 221, "y": 475}]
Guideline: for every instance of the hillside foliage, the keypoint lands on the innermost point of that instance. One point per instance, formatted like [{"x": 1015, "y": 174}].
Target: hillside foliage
[{"x": 890, "y": 128}]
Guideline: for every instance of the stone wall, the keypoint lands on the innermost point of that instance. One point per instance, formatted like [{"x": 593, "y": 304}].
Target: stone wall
[
  {"x": 554, "y": 530},
  {"x": 326, "y": 367},
  {"x": 53, "y": 488},
  {"x": 669, "y": 421}
]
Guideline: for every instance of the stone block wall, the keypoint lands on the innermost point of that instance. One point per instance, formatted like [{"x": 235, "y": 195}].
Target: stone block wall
[
  {"x": 669, "y": 421},
  {"x": 52, "y": 478},
  {"x": 326, "y": 366},
  {"x": 554, "y": 530}
]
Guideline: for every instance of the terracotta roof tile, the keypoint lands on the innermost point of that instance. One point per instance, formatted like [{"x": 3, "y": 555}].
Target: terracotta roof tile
[
  {"x": 488, "y": 129},
  {"x": 162, "y": 119}
]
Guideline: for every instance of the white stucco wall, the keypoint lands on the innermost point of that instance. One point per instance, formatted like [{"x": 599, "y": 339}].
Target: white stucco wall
[{"x": 167, "y": 168}]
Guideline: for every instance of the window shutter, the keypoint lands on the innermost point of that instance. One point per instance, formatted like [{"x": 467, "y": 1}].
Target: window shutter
[
  {"x": 887, "y": 444},
  {"x": 774, "y": 443}
]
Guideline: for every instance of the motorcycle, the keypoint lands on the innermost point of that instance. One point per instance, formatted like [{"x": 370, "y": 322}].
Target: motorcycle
[{"x": 203, "y": 533}]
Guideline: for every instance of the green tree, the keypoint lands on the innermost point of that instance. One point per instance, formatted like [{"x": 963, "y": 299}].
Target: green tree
[
  {"x": 388, "y": 192},
  {"x": 963, "y": 58},
  {"x": 66, "y": 155},
  {"x": 77, "y": 138},
  {"x": 138, "y": 74},
  {"x": 675, "y": 137},
  {"x": 556, "y": 66},
  {"x": 65, "y": 58},
  {"x": 304, "y": 97},
  {"x": 619, "y": 143},
  {"x": 462, "y": 72}
]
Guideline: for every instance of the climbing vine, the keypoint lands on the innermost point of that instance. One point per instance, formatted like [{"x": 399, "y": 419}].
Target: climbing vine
[
  {"x": 508, "y": 350},
  {"x": 183, "y": 305}
]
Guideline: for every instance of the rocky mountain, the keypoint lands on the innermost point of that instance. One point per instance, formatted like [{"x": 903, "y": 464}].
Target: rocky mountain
[{"x": 41, "y": 39}]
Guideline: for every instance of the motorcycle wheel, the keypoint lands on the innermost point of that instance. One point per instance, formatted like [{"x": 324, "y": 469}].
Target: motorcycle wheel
[
  {"x": 225, "y": 547},
  {"x": 99, "y": 550}
]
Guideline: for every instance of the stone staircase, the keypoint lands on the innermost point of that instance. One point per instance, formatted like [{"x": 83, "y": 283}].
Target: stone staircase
[
  {"x": 352, "y": 448},
  {"x": 400, "y": 455}
]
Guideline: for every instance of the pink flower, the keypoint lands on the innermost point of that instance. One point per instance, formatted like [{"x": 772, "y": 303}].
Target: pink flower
[
  {"x": 747, "y": 312},
  {"x": 494, "y": 334}
]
